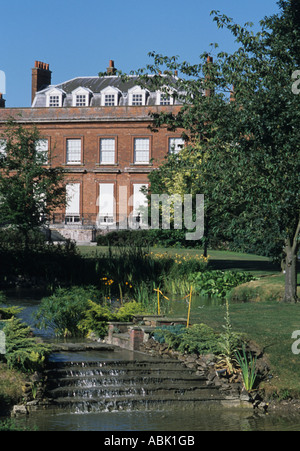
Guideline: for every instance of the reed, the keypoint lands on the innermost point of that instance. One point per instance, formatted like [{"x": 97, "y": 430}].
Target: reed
[{"x": 248, "y": 368}]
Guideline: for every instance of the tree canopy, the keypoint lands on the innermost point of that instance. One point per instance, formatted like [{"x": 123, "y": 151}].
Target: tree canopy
[
  {"x": 241, "y": 120},
  {"x": 30, "y": 186}
]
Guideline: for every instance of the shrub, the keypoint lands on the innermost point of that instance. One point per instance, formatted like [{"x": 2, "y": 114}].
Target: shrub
[
  {"x": 23, "y": 352},
  {"x": 199, "y": 338},
  {"x": 218, "y": 283},
  {"x": 147, "y": 238},
  {"x": 171, "y": 335},
  {"x": 128, "y": 310},
  {"x": 63, "y": 311},
  {"x": 9, "y": 312},
  {"x": 97, "y": 316},
  {"x": 95, "y": 319}
]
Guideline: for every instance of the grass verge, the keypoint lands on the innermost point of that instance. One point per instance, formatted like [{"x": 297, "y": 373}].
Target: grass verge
[{"x": 271, "y": 326}]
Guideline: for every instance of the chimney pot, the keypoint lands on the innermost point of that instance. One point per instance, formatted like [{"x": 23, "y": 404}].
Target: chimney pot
[
  {"x": 111, "y": 70},
  {"x": 41, "y": 77},
  {"x": 2, "y": 101}
]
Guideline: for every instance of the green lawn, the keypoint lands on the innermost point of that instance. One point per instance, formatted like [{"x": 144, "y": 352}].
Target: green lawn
[
  {"x": 267, "y": 322},
  {"x": 271, "y": 326},
  {"x": 217, "y": 259}
]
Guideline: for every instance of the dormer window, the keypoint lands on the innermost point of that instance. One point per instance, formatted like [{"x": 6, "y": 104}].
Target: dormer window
[
  {"x": 54, "y": 101},
  {"x": 137, "y": 96},
  {"x": 110, "y": 96},
  {"x": 165, "y": 97},
  {"x": 109, "y": 100},
  {"x": 54, "y": 98},
  {"x": 81, "y": 97}
]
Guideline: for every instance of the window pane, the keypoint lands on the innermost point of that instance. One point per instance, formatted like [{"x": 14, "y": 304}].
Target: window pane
[
  {"x": 106, "y": 204},
  {"x": 81, "y": 100},
  {"x": 2, "y": 147},
  {"x": 107, "y": 150},
  {"x": 74, "y": 151},
  {"x": 73, "y": 199},
  {"x": 175, "y": 145},
  {"x": 141, "y": 150},
  {"x": 42, "y": 150},
  {"x": 137, "y": 99},
  {"x": 109, "y": 100},
  {"x": 165, "y": 99},
  {"x": 54, "y": 101}
]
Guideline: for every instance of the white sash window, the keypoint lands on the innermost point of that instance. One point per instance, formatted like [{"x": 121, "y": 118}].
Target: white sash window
[{"x": 106, "y": 204}]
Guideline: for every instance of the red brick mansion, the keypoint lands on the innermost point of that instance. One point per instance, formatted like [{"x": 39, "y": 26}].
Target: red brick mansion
[{"x": 97, "y": 128}]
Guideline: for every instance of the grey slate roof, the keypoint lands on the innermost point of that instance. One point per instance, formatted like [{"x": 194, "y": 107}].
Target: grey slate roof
[{"x": 96, "y": 85}]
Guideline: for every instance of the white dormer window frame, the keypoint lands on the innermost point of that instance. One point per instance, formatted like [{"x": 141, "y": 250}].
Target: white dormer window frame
[
  {"x": 137, "y": 96},
  {"x": 110, "y": 96},
  {"x": 54, "y": 97},
  {"x": 165, "y": 97},
  {"x": 81, "y": 97}
]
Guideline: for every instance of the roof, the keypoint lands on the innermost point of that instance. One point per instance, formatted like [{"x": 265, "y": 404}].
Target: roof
[{"x": 96, "y": 85}]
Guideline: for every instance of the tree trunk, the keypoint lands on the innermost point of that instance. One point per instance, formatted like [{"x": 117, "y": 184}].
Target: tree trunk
[{"x": 290, "y": 294}]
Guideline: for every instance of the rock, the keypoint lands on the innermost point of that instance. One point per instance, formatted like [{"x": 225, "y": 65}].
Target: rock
[{"x": 19, "y": 409}]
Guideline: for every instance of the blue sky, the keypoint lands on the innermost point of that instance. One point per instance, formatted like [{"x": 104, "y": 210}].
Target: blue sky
[{"x": 79, "y": 37}]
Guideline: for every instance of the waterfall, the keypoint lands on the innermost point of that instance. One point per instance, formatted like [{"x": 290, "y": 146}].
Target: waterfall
[{"x": 120, "y": 384}]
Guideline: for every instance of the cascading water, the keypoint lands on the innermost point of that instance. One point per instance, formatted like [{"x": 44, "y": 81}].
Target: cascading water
[{"x": 114, "y": 385}]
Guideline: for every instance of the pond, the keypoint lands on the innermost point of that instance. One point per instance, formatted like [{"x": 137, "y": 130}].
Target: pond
[
  {"x": 181, "y": 421},
  {"x": 206, "y": 419}
]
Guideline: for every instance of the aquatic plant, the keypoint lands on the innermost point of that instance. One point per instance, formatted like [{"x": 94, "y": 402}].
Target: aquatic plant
[{"x": 248, "y": 368}]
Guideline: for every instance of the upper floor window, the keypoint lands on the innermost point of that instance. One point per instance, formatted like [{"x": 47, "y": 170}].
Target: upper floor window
[
  {"x": 175, "y": 145},
  {"x": 42, "y": 148},
  {"x": 110, "y": 96},
  {"x": 141, "y": 150},
  {"x": 107, "y": 150},
  {"x": 73, "y": 151},
  {"x": 81, "y": 97},
  {"x": 109, "y": 100},
  {"x": 2, "y": 147},
  {"x": 137, "y": 99},
  {"x": 137, "y": 96},
  {"x": 54, "y": 101},
  {"x": 81, "y": 100},
  {"x": 165, "y": 97},
  {"x": 54, "y": 97}
]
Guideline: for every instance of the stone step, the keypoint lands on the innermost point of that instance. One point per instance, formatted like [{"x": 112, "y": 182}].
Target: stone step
[
  {"x": 136, "y": 403},
  {"x": 118, "y": 373},
  {"x": 168, "y": 363},
  {"x": 113, "y": 381},
  {"x": 178, "y": 389}
]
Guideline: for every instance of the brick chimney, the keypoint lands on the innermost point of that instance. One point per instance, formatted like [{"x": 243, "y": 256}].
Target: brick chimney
[
  {"x": 111, "y": 70},
  {"x": 2, "y": 101},
  {"x": 41, "y": 78},
  {"x": 208, "y": 92}
]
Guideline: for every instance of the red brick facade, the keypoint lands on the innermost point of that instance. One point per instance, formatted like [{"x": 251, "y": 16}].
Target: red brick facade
[{"x": 120, "y": 125}]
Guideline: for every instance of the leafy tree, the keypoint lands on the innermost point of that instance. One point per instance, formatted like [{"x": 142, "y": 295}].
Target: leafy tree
[
  {"x": 30, "y": 187},
  {"x": 241, "y": 119}
]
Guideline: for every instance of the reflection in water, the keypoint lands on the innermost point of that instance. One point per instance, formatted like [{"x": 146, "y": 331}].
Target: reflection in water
[{"x": 214, "y": 419}]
